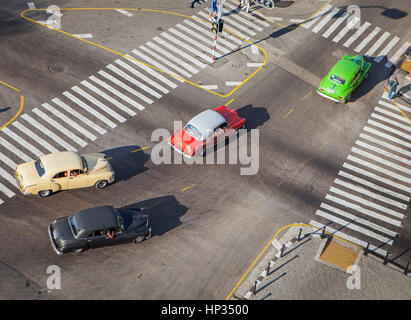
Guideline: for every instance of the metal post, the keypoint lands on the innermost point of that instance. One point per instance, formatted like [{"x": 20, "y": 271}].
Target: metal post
[
  {"x": 214, "y": 45},
  {"x": 386, "y": 258},
  {"x": 406, "y": 268},
  {"x": 255, "y": 287},
  {"x": 268, "y": 268},
  {"x": 323, "y": 233},
  {"x": 299, "y": 234},
  {"x": 366, "y": 249},
  {"x": 282, "y": 251}
]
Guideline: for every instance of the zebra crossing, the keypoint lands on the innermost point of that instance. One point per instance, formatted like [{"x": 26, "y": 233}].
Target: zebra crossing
[
  {"x": 368, "y": 200},
  {"x": 118, "y": 92},
  {"x": 339, "y": 26}
]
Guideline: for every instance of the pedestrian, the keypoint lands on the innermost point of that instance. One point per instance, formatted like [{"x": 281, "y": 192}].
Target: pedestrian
[
  {"x": 246, "y": 7},
  {"x": 393, "y": 84},
  {"x": 213, "y": 10}
]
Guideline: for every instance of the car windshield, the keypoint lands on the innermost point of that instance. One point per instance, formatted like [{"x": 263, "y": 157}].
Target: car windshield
[
  {"x": 337, "y": 79},
  {"x": 40, "y": 168},
  {"x": 74, "y": 225},
  {"x": 193, "y": 131}
]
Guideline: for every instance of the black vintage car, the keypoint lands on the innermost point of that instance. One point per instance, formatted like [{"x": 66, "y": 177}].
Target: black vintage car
[{"x": 97, "y": 227}]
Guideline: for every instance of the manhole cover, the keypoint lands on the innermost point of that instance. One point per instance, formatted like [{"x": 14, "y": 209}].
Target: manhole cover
[{"x": 56, "y": 68}]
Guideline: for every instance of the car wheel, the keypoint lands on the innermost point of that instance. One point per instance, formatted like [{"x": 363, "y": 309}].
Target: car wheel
[
  {"x": 138, "y": 239},
  {"x": 348, "y": 98},
  {"x": 44, "y": 193},
  {"x": 77, "y": 251},
  {"x": 101, "y": 184}
]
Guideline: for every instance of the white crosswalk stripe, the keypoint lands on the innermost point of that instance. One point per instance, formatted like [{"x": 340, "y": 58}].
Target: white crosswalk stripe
[
  {"x": 387, "y": 136},
  {"x": 311, "y": 21},
  {"x": 15, "y": 150},
  {"x": 187, "y": 47},
  {"x": 397, "y": 55},
  {"x": 83, "y": 105},
  {"x": 225, "y": 34},
  {"x": 7, "y": 176},
  {"x": 79, "y": 116},
  {"x": 167, "y": 62},
  {"x": 70, "y": 122},
  {"x": 60, "y": 128},
  {"x": 392, "y": 115},
  {"x": 377, "y": 44},
  {"x": 388, "y": 48},
  {"x": 392, "y": 122},
  {"x": 34, "y": 136},
  {"x": 96, "y": 102},
  {"x": 47, "y": 132},
  {"x": 23, "y": 142},
  {"x": 367, "y": 39},
  {"x": 336, "y": 24},
  {"x": 134, "y": 81},
  {"x": 239, "y": 16},
  {"x": 348, "y": 27},
  {"x": 8, "y": 161},
  {"x": 237, "y": 19},
  {"x": 387, "y": 128},
  {"x": 4, "y": 189},
  {"x": 325, "y": 20},
  {"x": 358, "y": 33}
]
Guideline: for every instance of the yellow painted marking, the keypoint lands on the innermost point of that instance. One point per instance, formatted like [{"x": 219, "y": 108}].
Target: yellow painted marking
[
  {"x": 269, "y": 243},
  {"x": 293, "y": 28},
  {"x": 229, "y": 102},
  {"x": 16, "y": 115},
  {"x": 11, "y": 87},
  {"x": 289, "y": 112},
  {"x": 144, "y": 148},
  {"x": 109, "y": 158},
  {"x": 324, "y": 144},
  {"x": 398, "y": 107},
  {"x": 307, "y": 95},
  {"x": 148, "y": 65},
  {"x": 186, "y": 188}
]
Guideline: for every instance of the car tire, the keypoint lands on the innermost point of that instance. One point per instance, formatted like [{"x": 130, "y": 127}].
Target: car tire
[
  {"x": 138, "y": 239},
  {"x": 348, "y": 98},
  {"x": 77, "y": 251},
  {"x": 44, "y": 193},
  {"x": 101, "y": 184}
]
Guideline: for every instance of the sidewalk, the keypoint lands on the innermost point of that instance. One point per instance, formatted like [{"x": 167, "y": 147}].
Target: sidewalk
[{"x": 315, "y": 268}]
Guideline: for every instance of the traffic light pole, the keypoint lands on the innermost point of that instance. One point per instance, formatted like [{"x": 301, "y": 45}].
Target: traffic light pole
[{"x": 216, "y": 26}]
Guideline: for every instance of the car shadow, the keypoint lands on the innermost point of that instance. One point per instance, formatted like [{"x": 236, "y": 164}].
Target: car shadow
[
  {"x": 377, "y": 74},
  {"x": 4, "y": 109},
  {"x": 164, "y": 213},
  {"x": 126, "y": 161},
  {"x": 254, "y": 116}
]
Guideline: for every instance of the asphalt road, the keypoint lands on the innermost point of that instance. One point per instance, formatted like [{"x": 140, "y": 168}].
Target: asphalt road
[{"x": 209, "y": 221}]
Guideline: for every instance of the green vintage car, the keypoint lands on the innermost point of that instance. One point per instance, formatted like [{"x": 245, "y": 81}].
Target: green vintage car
[{"x": 346, "y": 75}]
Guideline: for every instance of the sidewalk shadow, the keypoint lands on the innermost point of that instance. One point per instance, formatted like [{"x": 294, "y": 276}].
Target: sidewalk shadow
[
  {"x": 164, "y": 213},
  {"x": 126, "y": 163},
  {"x": 270, "y": 283}
]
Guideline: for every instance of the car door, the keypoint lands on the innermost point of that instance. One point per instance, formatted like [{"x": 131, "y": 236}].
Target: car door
[
  {"x": 61, "y": 179},
  {"x": 78, "y": 179},
  {"x": 100, "y": 238}
]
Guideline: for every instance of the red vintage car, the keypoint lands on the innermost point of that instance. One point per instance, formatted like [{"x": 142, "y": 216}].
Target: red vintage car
[{"x": 205, "y": 130}]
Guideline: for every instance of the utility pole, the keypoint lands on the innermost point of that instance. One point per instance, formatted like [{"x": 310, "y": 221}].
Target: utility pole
[{"x": 217, "y": 26}]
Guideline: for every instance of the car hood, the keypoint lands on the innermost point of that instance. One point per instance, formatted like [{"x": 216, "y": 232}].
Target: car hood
[
  {"x": 28, "y": 174},
  {"x": 181, "y": 140},
  {"x": 96, "y": 162},
  {"x": 61, "y": 230}
]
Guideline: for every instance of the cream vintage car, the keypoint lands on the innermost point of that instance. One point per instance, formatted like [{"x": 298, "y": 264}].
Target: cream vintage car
[{"x": 64, "y": 170}]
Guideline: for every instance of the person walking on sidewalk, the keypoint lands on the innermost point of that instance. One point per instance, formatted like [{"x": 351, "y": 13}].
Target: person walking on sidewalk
[{"x": 393, "y": 84}]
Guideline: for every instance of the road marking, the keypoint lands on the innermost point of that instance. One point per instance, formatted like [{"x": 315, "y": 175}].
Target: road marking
[
  {"x": 207, "y": 32},
  {"x": 397, "y": 55},
  {"x": 59, "y": 127},
  {"x": 211, "y": 87},
  {"x": 387, "y": 145},
  {"x": 307, "y": 95},
  {"x": 347, "y": 28},
  {"x": 371, "y": 194},
  {"x": 31, "y": 5},
  {"x": 232, "y": 83},
  {"x": 239, "y": 26},
  {"x": 240, "y": 12},
  {"x": 288, "y": 113},
  {"x": 125, "y": 12},
  {"x": 336, "y": 24},
  {"x": 4, "y": 189},
  {"x": 325, "y": 20},
  {"x": 186, "y": 188},
  {"x": 377, "y": 43},
  {"x": 70, "y": 122},
  {"x": 181, "y": 53},
  {"x": 172, "y": 57},
  {"x": 254, "y": 65},
  {"x": 349, "y": 238},
  {"x": 377, "y": 168},
  {"x": 187, "y": 47},
  {"x": 242, "y": 20},
  {"x": 392, "y": 115},
  {"x": 49, "y": 134},
  {"x": 8, "y": 161},
  {"x": 397, "y": 132},
  {"x": 23, "y": 142},
  {"x": 229, "y": 102},
  {"x": 35, "y": 137},
  {"x": 96, "y": 102},
  {"x": 135, "y": 82},
  {"x": 89, "y": 109},
  {"x": 83, "y": 36},
  {"x": 362, "y": 210},
  {"x": 388, "y": 47},
  {"x": 231, "y": 29},
  {"x": 350, "y": 225},
  {"x": 359, "y": 32},
  {"x": 7, "y": 176},
  {"x": 254, "y": 49},
  {"x": 367, "y": 39},
  {"x": 227, "y": 35},
  {"x": 386, "y": 136},
  {"x": 127, "y": 88},
  {"x": 76, "y": 114},
  {"x": 14, "y": 150},
  {"x": 394, "y": 123},
  {"x": 312, "y": 20}
]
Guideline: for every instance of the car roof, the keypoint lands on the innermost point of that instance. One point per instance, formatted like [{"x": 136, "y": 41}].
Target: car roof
[
  {"x": 206, "y": 120},
  {"x": 98, "y": 218},
  {"x": 345, "y": 68},
  {"x": 61, "y": 161}
]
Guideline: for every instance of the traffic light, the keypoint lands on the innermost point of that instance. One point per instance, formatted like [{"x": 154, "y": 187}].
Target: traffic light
[
  {"x": 214, "y": 27},
  {"x": 217, "y": 26},
  {"x": 220, "y": 25}
]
